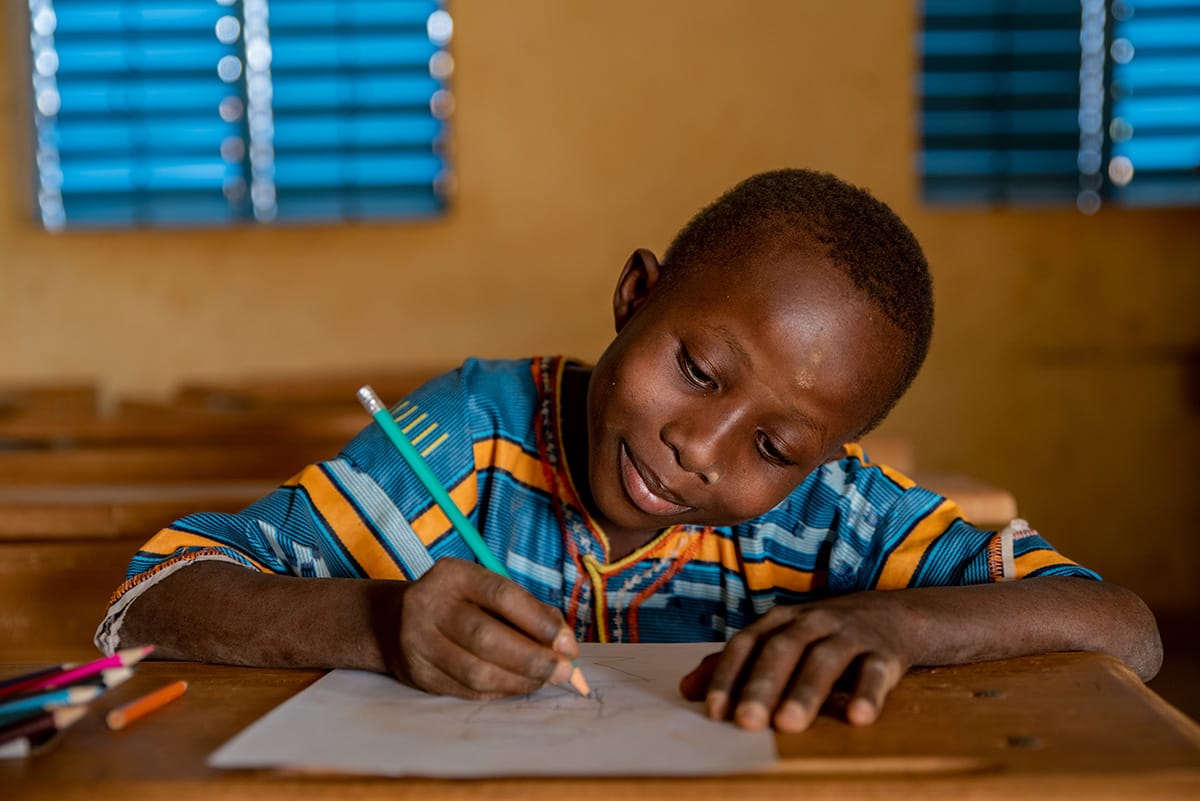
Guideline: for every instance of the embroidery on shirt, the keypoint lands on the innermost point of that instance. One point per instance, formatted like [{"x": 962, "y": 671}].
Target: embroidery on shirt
[
  {"x": 636, "y": 579},
  {"x": 578, "y": 540}
]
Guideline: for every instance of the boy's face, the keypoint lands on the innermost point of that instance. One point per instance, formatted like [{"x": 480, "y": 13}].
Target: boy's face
[{"x": 725, "y": 389}]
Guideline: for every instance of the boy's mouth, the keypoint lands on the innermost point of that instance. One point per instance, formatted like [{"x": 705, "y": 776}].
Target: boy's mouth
[{"x": 644, "y": 489}]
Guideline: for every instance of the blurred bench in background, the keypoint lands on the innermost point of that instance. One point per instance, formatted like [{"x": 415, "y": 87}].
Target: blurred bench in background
[
  {"x": 48, "y": 399},
  {"x": 83, "y": 484}
]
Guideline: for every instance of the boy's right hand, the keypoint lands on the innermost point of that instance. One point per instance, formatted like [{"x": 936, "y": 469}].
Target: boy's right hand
[{"x": 466, "y": 631}]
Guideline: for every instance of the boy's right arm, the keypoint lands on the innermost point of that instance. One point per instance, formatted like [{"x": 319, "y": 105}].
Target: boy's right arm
[{"x": 458, "y": 630}]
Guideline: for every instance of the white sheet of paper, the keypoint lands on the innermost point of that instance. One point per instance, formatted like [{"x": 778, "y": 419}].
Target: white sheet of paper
[{"x": 365, "y": 723}]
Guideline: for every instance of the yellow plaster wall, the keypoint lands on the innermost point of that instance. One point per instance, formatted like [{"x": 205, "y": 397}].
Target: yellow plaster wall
[{"x": 1065, "y": 361}]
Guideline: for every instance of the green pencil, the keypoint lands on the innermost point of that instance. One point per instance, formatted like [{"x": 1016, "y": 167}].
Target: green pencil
[{"x": 465, "y": 528}]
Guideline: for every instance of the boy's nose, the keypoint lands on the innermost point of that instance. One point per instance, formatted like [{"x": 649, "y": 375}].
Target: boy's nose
[{"x": 700, "y": 443}]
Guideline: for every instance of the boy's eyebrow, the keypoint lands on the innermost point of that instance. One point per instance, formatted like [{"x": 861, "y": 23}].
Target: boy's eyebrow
[{"x": 731, "y": 341}]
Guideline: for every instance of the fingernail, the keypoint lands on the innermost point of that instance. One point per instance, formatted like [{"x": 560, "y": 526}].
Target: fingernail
[
  {"x": 861, "y": 712},
  {"x": 751, "y": 715},
  {"x": 718, "y": 704},
  {"x": 562, "y": 672},
  {"x": 792, "y": 716},
  {"x": 564, "y": 642}
]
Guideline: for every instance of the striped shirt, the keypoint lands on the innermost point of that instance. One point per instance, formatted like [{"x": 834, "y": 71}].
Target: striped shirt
[{"x": 492, "y": 431}]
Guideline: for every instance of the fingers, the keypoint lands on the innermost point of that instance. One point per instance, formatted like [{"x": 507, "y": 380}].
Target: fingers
[
  {"x": 466, "y": 631},
  {"x": 727, "y": 673},
  {"x": 877, "y": 677},
  {"x": 694, "y": 686},
  {"x": 742, "y": 655},
  {"x": 825, "y": 664},
  {"x": 497, "y": 645},
  {"x": 781, "y": 670},
  {"x": 508, "y": 600},
  {"x": 446, "y": 668}
]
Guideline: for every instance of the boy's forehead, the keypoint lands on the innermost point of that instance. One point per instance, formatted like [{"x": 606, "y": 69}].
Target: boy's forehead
[
  {"x": 811, "y": 306},
  {"x": 777, "y": 282}
]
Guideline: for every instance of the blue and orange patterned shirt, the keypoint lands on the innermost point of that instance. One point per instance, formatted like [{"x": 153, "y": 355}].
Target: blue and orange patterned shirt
[{"x": 492, "y": 433}]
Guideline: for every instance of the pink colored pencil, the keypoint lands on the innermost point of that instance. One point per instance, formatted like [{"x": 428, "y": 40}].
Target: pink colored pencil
[{"x": 40, "y": 682}]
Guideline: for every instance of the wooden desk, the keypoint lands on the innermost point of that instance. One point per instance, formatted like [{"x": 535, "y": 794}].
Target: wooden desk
[{"x": 1063, "y": 726}]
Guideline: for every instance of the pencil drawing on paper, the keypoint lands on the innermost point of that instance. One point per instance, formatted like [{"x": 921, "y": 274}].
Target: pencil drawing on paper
[
  {"x": 637, "y": 724},
  {"x": 560, "y": 705}
]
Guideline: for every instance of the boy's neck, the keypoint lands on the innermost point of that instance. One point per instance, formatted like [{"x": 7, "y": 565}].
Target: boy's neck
[{"x": 573, "y": 408}]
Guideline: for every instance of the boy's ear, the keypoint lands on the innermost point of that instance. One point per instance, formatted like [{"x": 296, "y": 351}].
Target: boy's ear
[{"x": 633, "y": 287}]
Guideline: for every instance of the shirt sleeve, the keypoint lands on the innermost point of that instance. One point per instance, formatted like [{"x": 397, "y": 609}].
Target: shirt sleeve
[
  {"x": 362, "y": 514},
  {"x": 903, "y": 535}
]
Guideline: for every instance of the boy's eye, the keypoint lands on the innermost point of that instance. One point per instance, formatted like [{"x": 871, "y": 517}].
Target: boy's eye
[
  {"x": 693, "y": 372},
  {"x": 771, "y": 452}
]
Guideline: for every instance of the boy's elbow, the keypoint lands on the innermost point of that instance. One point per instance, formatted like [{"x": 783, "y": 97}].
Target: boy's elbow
[
  {"x": 1149, "y": 657},
  {"x": 1140, "y": 647}
]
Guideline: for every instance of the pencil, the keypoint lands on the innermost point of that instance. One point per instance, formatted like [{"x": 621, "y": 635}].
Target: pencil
[
  {"x": 29, "y": 705},
  {"x": 37, "y": 674},
  {"x": 38, "y": 703},
  {"x": 48, "y": 680},
  {"x": 466, "y": 529},
  {"x": 16, "y": 749},
  {"x": 53, "y": 720},
  {"x": 26, "y": 705},
  {"x": 122, "y": 716}
]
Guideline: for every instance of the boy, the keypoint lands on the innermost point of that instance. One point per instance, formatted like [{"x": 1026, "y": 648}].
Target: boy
[{"x": 698, "y": 483}]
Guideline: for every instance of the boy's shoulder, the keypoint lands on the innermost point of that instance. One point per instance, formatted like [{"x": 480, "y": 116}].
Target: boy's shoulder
[
  {"x": 481, "y": 377},
  {"x": 504, "y": 380},
  {"x": 848, "y": 493},
  {"x": 495, "y": 392}
]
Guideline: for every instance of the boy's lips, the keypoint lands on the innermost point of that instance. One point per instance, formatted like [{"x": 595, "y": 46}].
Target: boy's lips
[{"x": 644, "y": 489}]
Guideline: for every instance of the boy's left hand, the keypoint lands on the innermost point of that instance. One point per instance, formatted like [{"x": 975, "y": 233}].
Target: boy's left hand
[{"x": 780, "y": 669}]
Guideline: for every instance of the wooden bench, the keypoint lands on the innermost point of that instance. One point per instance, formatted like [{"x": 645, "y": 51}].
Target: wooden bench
[
  {"x": 329, "y": 390},
  {"x": 50, "y": 398},
  {"x": 160, "y": 465},
  {"x": 64, "y": 549}
]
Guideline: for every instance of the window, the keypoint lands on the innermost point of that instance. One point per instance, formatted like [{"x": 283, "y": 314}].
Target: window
[
  {"x": 185, "y": 112},
  {"x": 1058, "y": 101}
]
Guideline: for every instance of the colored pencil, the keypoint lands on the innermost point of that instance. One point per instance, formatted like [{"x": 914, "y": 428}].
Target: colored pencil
[
  {"x": 26, "y": 705},
  {"x": 15, "y": 749},
  {"x": 53, "y": 720},
  {"x": 48, "y": 681},
  {"x": 466, "y": 529},
  {"x": 122, "y": 716},
  {"x": 37, "y": 674},
  {"x": 38, "y": 703}
]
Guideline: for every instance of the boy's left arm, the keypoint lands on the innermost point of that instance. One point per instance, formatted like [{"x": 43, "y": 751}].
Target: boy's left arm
[{"x": 780, "y": 669}]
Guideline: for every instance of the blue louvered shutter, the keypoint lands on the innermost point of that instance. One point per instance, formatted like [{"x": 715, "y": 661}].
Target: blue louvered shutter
[
  {"x": 1059, "y": 101},
  {"x": 1155, "y": 91},
  {"x": 208, "y": 112}
]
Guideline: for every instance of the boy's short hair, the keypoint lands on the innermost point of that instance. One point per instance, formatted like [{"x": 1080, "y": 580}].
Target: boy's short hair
[{"x": 788, "y": 209}]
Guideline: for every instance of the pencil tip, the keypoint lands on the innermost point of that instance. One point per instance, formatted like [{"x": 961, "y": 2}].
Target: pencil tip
[
  {"x": 580, "y": 683},
  {"x": 131, "y": 656}
]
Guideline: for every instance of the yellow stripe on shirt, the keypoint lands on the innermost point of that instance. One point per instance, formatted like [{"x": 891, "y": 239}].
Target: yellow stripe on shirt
[
  {"x": 1027, "y": 563},
  {"x": 759, "y": 575},
  {"x": 170, "y": 540},
  {"x": 855, "y": 451},
  {"x": 348, "y": 526},
  {"x": 902, "y": 563},
  {"x": 431, "y": 525},
  {"x": 504, "y": 455}
]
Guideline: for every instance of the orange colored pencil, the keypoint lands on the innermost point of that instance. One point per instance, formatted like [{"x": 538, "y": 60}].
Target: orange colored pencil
[{"x": 122, "y": 716}]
